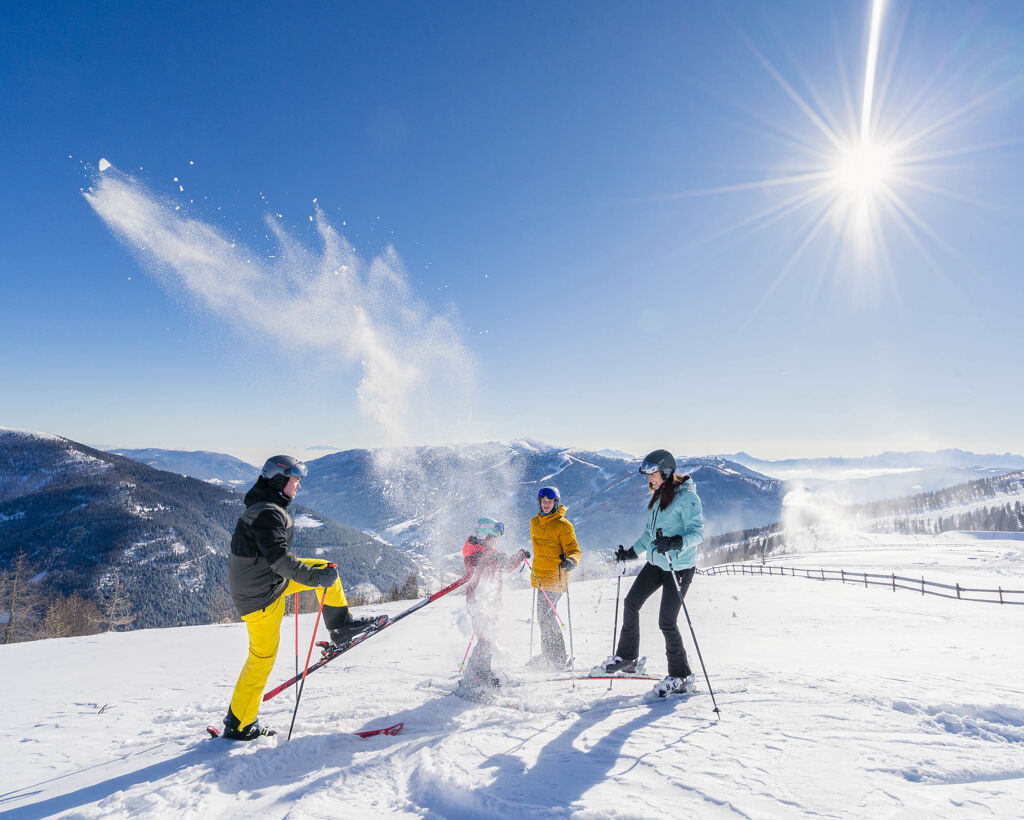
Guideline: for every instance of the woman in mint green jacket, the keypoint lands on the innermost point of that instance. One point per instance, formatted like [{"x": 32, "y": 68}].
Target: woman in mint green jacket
[{"x": 675, "y": 526}]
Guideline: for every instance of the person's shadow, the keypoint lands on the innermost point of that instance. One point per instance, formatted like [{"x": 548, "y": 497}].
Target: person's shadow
[
  {"x": 286, "y": 763},
  {"x": 564, "y": 772}
]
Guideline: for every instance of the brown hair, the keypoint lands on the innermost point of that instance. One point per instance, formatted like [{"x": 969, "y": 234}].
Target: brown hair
[{"x": 666, "y": 492}]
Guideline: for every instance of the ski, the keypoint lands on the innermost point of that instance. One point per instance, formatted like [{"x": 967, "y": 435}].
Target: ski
[
  {"x": 594, "y": 677},
  {"x": 389, "y": 730},
  {"x": 332, "y": 652}
]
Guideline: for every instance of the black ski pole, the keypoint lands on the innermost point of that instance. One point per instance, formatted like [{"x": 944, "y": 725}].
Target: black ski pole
[
  {"x": 686, "y": 612},
  {"x": 533, "y": 614},
  {"x": 615, "y": 627},
  {"x": 568, "y": 609}
]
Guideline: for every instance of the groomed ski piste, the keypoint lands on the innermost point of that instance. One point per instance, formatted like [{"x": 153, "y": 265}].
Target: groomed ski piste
[{"x": 836, "y": 701}]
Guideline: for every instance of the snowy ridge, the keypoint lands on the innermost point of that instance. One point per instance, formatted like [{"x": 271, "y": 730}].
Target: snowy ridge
[{"x": 879, "y": 719}]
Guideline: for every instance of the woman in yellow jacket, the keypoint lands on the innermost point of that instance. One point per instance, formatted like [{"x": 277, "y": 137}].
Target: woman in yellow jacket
[{"x": 555, "y": 555}]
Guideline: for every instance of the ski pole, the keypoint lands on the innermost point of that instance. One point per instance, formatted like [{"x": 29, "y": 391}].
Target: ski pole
[
  {"x": 615, "y": 627},
  {"x": 298, "y": 695},
  {"x": 534, "y": 574},
  {"x": 533, "y": 613},
  {"x": 568, "y": 610},
  {"x": 295, "y": 615},
  {"x": 467, "y": 651},
  {"x": 686, "y": 612}
]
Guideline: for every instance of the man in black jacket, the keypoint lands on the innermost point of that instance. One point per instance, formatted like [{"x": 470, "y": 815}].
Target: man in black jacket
[{"x": 262, "y": 573}]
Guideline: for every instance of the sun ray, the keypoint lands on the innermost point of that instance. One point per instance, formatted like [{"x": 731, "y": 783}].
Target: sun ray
[
  {"x": 951, "y": 118},
  {"x": 774, "y": 73},
  {"x": 996, "y": 208},
  {"x": 849, "y": 106},
  {"x": 869, "y": 73},
  {"x": 811, "y": 234},
  {"x": 741, "y": 186}
]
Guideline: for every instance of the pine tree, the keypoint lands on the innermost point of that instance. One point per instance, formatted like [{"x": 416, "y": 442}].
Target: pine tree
[
  {"x": 116, "y": 608},
  {"x": 410, "y": 589}
]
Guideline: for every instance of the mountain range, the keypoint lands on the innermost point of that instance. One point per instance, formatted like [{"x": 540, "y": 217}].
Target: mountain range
[
  {"x": 886, "y": 475},
  {"x": 218, "y": 468},
  {"x": 79, "y": 514},
  {"x": 424, "y": 495}
]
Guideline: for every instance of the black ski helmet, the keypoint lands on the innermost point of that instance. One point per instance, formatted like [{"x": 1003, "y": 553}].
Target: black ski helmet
[
  {"x": 659, "y": 461},
  {"x": 278, "y": 469}
]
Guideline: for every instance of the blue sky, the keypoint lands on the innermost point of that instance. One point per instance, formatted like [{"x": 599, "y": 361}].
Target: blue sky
[{"x": 537, "y": 168}]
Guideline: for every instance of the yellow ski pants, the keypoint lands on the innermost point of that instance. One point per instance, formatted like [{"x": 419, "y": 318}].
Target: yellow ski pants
[{"x": 264, "y": 627}]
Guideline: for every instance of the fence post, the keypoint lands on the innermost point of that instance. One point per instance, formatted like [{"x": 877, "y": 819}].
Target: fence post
[
  {"x": 842, "y": 575},
  {"x": 822, "y": 574},
  {"x": 922, "y": 585},
  {"x": 958, "y": 590},
  {"x": 894, "y": 582},
  {"x": 865, "y": 580},
  {"x": 1000, "y": 594}
]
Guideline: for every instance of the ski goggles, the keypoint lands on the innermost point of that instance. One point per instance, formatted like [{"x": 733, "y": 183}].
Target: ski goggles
[
  {"x": 650, "y": 467},
  {"x": 547, "y": 492}
]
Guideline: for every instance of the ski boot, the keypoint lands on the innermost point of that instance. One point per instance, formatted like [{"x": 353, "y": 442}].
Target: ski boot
[
  {"x": 670, "y": 685},
  {"x": 234, "y": 731},
  {"x": 615, "y": 664}
]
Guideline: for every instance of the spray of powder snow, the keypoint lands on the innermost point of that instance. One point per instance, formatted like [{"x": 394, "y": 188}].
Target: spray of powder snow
[
  {"x": 417, "y": 375},
  {"x": 328, "y": 301}
]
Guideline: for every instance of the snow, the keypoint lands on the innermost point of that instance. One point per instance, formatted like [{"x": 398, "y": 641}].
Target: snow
[
  {"x": 835, "y": 700},
  {"x": 306, "y": 522},
  {"x": 104, "y": 164}
]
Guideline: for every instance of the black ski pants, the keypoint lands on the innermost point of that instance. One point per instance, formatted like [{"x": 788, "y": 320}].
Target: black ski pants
[
  {"x": 552, "y": 644},
  {"x": 645, "y": 585}
]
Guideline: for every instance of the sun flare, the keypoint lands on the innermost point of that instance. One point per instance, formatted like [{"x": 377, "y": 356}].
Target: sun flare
[{"x": 862, "y": 170}]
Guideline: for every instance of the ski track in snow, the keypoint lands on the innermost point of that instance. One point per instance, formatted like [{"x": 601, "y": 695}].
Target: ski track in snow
[{"x": 836, "y": 701}]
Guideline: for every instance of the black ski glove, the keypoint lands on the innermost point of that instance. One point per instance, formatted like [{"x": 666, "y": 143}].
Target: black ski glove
[
  {"x": 566, "y": 565},
  {"x": 623, "y": 554},
  {"x": 323, "y": 576},
  {"x": 667, "y": 543}
]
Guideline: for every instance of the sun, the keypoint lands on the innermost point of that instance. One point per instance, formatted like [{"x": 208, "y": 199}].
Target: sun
[{"x": 862, "y": 170}]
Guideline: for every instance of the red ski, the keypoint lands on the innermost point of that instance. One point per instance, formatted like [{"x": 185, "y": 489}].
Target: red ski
[
  {"x": 390, "y": 730},
  {"x": 332, "y": 652}
]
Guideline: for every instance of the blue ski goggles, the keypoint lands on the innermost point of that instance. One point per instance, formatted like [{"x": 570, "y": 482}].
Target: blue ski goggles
[
  {"x": 650, "y": 467},
  {"x": 548, "y": 492}
]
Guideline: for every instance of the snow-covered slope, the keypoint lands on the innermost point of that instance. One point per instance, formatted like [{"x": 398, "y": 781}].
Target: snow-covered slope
[{"x": 836, "y": 701}]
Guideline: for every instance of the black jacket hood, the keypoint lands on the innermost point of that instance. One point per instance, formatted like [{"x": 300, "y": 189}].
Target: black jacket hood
[{"x": 261, "y": 492}]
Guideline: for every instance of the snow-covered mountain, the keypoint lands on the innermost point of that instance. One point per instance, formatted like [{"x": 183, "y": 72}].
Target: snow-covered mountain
[
  {"x": 218, "y": 468},
  {"x": 78, "y": 514},
  {"x": 886, "y": 475},
  {"x": 836, "y": 701},
  {"x": 403, "y": 494}
]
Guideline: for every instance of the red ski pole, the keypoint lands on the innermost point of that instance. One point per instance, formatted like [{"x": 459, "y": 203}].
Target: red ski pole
[
  {"x": 534, "y": 574},
  {"x": 298, "y": 695}
]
